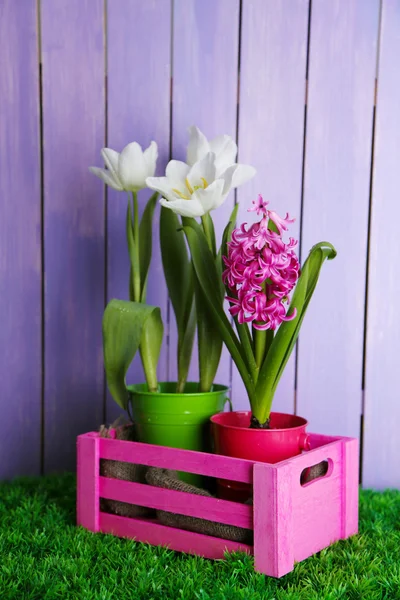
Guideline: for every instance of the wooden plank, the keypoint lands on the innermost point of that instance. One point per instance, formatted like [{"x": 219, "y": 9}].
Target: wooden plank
[
  {"x": 382, "y": 408},
  {"x": 189, "y": 461},
  {"x": 87, "y": 490},
  {"x": 271, "y": 124},
  {"x": 73, "y": 133},
  {"x": 350, "y": 484},
  {"x": 342, "y": 63},
  {"x": 139, "y": 37},
  {"x": 202, "y": 507},
  {"x": 273, "y": 537},
  {"x": 20, "y": 232},
  {"x": 205, "y": 68},
  {"x": 175, "y": 539}
]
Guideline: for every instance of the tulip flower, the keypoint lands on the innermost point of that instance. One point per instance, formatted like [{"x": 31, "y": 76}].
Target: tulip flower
[
  {"x": 225, "y": 150},
  {"x": 129, "y": 169},
  {"x": 193, "y": 191}
]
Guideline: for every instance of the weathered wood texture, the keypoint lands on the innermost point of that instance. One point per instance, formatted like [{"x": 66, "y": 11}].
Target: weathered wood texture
[
  {"x": 20, "y": 241},
  {"x": 109, "y": 73},
  {"x": 271, "y": 127},
  {"x": 73, "y": 133},
  {"x": 382, "y": 407},
  {"x": 138, "y": 102},
  {"x": 341, "y": 79},
  {"x": 204, "y": 93}
]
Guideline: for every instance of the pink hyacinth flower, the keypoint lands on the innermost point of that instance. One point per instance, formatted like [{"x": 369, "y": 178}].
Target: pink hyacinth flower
[{"x": 261, "y": 270}]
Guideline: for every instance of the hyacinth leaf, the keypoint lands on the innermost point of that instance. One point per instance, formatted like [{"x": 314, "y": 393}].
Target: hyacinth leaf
[
  {"x": 145, "y": 243},
  {"x": 286, "y": 336},
  {"x": 131, "y": 248},
  {"x": 178, "y": 273},
  {"x": 123, "y": 325},
  {"x": 207, "y": 275}
]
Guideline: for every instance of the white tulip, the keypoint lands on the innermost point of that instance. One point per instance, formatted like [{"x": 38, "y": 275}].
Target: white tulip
[
  {"x": 225, "y": 150},
  {"x": 129, "y": 169},
  {"x": 193, "y": 191}
]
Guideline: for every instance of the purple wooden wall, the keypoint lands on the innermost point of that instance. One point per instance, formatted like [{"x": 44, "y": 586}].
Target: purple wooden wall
[{"x": 311, "y": 92}]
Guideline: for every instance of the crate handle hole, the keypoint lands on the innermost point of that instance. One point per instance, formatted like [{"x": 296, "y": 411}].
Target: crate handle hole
[{"x": 315, "y": 472}]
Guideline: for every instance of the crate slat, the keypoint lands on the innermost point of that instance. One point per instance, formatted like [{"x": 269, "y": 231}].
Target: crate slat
[
  {"x": 201, "y": 463},
  {"x": 176, "y": 539},
  {"x": 212, "y": 509}
]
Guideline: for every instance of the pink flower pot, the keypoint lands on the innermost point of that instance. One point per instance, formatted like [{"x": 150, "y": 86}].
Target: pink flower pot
[{"x": 286, "y": 438}]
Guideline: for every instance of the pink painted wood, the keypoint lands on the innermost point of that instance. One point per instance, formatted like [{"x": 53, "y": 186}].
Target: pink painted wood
[
  {"x": 177, "y": 539},
  {"x": 343, "y": 45},
  {"x": 87, "y": 502},
  {"x": 382, "y": 407},
  {"x": 271, "y": 127},
  {"x": 138, "y": 109},
  {"x": 200, "y": 463},
  {"x": 20, "y": 245},
  {"x": 273, "y": 540},
  {"x": 222, "y": 511},
  {"x": 204, "y": 93},
  {"x": 291, "y": 521},
  {"x": 73, "y": 132}
]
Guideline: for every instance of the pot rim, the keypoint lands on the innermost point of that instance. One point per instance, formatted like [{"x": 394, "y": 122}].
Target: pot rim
[
  {"x": 224, "y": 390},
  {"x": 214, "y": 420}
]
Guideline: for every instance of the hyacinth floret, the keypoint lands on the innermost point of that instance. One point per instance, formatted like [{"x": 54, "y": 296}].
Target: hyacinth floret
[{"x": 261, "y": 270}]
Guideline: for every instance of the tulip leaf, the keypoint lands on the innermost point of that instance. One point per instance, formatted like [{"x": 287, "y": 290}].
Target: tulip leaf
[
  {"x": 287, "y": 334},
  {"x": 123, "y": 326},
  {"x": 209, "y": 341},
  {"x": 207, "y": 275},
  {"x": 185, "y": 346},
  {"x": 145, "y": 242},
  {"x": 226, "y": 237},
  {"x": 178, "y": 273}
]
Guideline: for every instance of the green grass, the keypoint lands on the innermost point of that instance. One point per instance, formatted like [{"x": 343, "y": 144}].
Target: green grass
[{"x": 44, "y": 556}]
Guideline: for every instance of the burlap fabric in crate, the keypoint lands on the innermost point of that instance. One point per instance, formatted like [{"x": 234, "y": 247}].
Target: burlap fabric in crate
[
  {"x": 122, "y": 470},
  {"x": 164, "y": 478}
]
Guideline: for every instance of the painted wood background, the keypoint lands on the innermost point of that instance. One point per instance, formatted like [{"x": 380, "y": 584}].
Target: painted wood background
[{"x": 311, "y": 91}]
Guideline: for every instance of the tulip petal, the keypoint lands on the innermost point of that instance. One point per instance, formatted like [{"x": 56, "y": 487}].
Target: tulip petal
[
  {"x": 176, "y": 172},
  {"x": 107, "y": 177},
  {"x": 242, "y": 174},
  {"x": 132, "y": 168},
  {"x": 111, "y": 157},
  {"x": 185, "y": 208},
  {"x": 203, "y": 171},
  {"x": 225, "y": 149},
  {"x": 211, "y": 197},
  {"x": 162, "y": 185},
  {"x": 150, "y": 158},
  {"x": 198, "y": 146},
  {"x": 227, "y": 178}
]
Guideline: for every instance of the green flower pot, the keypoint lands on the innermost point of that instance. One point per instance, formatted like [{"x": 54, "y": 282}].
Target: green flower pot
[{"x": 166, "y": 418}]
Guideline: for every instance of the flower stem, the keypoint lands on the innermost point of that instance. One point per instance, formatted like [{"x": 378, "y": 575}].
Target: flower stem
[
  {"x": 205, "y": 221},
  {"x": 136, "y": 273}
]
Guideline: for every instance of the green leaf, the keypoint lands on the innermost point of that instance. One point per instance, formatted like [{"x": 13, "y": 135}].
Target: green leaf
[
  {"x": 208, "y": 227},
  {"x": 206, "y": 272},
  {"x": 145, "y": 242},
  {"x": 123, "y": 326},
  {"x": 150, "y": 347},
  {"x": 131, "y": 248},
  {"x": 287, "y": 334},
  {"x": 178, "y": 273},
  {"x": 209, "y": 341},
  {"x": 226, "y": 237},
  {"x": 185, "y": 347}
]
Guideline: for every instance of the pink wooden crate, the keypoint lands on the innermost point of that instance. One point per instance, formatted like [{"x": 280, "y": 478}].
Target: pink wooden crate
[{"x": 290, "y": 521}]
